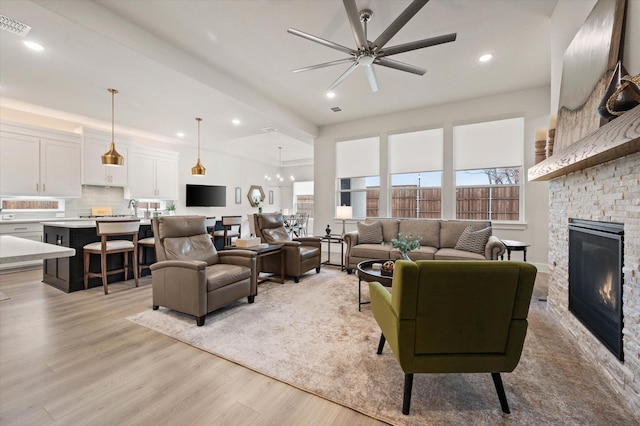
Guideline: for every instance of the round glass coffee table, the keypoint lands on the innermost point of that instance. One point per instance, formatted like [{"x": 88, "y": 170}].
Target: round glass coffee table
[{"x": 365, "y": 271}]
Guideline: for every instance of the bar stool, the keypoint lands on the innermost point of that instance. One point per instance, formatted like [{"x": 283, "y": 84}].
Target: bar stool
[
  {"x": 105, "y": 247},
  {"x": 227, "y": 233},
  {"x": 145, "y": 243}
]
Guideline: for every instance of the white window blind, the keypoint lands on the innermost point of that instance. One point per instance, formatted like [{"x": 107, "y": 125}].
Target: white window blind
[
  {"x": 489, "y": 144},
  {"x": 416, "y": 151},
  {"x": 358, "y": 157},
  {"x": 303, "y": 188}
]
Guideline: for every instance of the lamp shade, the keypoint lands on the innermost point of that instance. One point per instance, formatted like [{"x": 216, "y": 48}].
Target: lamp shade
[{"x": 344, "y": 212}]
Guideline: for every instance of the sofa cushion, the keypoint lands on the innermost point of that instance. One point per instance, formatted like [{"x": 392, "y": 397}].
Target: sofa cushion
[
  {"x": 276, "y": 235},
  {"x": 223, "y": 274},
  {"x": 450, "y": 230},
  {"x": 370, "y": 233},
  {"x": 196, "y": 247},
  {"x": 371, "y": 251},
  {"x": 429, "y": 230},
  {"x": 473, "y": 241},
  {"x": 453, "y": 254},
  {"x": 422, "y": 253}
]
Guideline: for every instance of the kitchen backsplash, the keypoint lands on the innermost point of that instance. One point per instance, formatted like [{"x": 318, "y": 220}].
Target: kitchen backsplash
[{"x": 98, "y": 196}]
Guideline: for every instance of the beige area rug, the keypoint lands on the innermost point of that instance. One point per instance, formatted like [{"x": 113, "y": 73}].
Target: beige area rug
[{"x": 311, "y": 336}]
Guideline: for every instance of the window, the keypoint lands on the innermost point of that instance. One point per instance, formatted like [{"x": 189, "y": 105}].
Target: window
[
  {"x": 357, "y": 171},
  {"x": 415, "y": 166},
  {"x": 303, "y": 197},
  {"x": 488, "y": 161},
  {"x": 32, "y": 205}
]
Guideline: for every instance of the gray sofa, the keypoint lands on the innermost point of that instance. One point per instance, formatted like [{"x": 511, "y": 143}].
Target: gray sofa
[{"x": 440, "y": 241}]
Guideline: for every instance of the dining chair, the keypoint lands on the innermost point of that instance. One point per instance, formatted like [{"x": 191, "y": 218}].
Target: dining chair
[{"x": 106, "y": 247}]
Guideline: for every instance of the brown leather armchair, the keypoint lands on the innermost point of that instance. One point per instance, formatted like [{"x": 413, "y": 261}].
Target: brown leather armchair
[
  {"x": 190, "y": 276},
  {"x": 300, "y": 254}
]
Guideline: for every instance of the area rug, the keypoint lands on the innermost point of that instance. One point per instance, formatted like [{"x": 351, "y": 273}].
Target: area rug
[
  {"x": 4, "y": 296},
  {"x": 311, "y": 336}
]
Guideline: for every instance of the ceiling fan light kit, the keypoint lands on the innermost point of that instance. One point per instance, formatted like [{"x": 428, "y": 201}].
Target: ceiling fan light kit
[{"x": 369, "y": 53}]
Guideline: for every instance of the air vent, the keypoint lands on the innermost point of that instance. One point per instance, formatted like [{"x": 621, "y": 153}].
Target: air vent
[
  {"x": 336, "y": 109},
  {"x": 13, "y": 26},
  {"x": 269, "y": 129}
]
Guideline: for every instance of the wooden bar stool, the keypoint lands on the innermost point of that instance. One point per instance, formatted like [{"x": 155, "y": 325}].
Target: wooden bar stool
[
  {"x": 105, "y": 247},
  {"x": 145, "y": 243},
  {"x": 227, "y": 233}
]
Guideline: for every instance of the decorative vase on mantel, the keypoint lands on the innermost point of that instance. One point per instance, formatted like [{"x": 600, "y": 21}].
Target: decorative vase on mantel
[
  {"x": 328, "y": 230},
  {"x": 259, "y": 209}
]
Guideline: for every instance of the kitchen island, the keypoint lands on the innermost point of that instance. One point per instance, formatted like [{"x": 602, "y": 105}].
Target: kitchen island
[{"x": 67, "y": 274}]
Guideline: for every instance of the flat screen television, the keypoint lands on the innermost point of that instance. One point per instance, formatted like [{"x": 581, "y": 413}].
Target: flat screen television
[{"x": 206, "y": 196}]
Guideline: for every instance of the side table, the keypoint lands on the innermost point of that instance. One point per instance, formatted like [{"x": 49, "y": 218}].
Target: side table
[
  {"x": 365, "y": 271},
  {"x": 264, "y": 250},
  {"x": 512, "y": 245},
  {"x": 334, "y": 239}
]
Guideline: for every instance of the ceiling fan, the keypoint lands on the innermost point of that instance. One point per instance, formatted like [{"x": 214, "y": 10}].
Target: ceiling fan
[{"x": 368, "y": 53}]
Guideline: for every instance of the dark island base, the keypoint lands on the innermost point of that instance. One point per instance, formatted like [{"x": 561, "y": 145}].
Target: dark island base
[{"x": 67, "y": 273}]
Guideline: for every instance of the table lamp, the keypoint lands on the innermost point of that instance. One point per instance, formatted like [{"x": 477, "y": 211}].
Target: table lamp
[{"x": 344, "y": 213}]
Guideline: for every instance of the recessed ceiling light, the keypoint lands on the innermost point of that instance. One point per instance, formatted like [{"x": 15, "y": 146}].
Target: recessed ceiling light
[
  {"x": 180, "y": 135},
  {"x": 236, "y": 122},
  {"x": 33, "y": 45},
  {"x": 485, "y": 58},
  {"x": 330, "y": 94}
]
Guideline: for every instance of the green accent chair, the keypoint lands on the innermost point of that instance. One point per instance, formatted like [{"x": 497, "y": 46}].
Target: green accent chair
[{"x": 455, "y": 317}]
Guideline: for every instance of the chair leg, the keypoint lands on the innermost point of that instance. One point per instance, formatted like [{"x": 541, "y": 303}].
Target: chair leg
[
  {"x": 381, "y": 344},
  {"x": 87, "y": 258},
  {"x": 497, "y": 381},
  {"x": 103, "y": 266},
  {"x": 126, "y": 265},
  {"x": 136, "y": 272},
  {"x": 406, "y": 399}
]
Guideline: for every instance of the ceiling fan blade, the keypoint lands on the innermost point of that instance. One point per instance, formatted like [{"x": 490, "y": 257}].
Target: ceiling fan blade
[
  {"x": 400, "y": 22},
  {"x": 406, "y": 47},
  {"x": 354, "y": 20},
  {"x": 371, "y": 76},
  {"x": 321, "y": 41},
  {"x": 390, "y": 63},
  {"x": 343, "y": 76},
  {"x": 325, "y": 64}
]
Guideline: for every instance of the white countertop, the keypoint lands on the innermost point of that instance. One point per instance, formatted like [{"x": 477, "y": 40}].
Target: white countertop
[{"x": 14, "y": 249}]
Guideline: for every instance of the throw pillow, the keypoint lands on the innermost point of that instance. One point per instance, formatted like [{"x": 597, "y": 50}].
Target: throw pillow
[
  {"x": 473, "y": 241},
  {"x": 370, "y": 233}
]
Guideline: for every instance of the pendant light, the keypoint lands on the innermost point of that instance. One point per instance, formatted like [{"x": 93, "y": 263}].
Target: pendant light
[
  {"x": 198, "y": 169},
  {"x": 112, "y": 157}
]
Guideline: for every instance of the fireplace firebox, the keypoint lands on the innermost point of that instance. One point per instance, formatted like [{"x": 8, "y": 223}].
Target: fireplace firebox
[{"x": 595, "y": 279}]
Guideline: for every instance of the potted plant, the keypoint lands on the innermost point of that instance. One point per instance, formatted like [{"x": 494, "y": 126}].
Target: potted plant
[
  {"x": 405, "y": 244},
  {"x": 257, "y": 202},
  {"x": 171, "y": 209}
]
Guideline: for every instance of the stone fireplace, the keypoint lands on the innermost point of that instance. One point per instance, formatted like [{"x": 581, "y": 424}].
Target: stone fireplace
[
  {"x": 595, "y": 279},
  {"x": 608, "y": 192}
]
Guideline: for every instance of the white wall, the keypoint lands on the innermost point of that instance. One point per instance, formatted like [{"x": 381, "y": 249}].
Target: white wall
[{"x": 533, "y": 104}]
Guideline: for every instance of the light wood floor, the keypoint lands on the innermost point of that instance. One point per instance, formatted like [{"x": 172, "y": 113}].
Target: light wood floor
[{"x": 73, "y": 359}]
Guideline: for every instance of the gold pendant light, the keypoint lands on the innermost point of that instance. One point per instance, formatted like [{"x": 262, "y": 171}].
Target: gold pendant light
[
  {"x": 198, "y": 169},
  {"x": 112, "y": 157}
]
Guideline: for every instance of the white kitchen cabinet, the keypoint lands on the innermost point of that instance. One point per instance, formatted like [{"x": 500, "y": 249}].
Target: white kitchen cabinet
[
  {"x": 95, "y": 173},
  {"x": 35, "y": 165},
  {"x": 153, "y": 175}
]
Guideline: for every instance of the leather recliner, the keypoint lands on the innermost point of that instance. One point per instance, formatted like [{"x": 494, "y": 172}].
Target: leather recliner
[
  {"x": 455, "y": 317},
  {"x": 190, "y": 276},
  {"x": 300, "y": 254}
]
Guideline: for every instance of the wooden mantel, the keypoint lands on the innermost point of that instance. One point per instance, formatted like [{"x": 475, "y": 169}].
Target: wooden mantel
[{"x": 615, "y": 139}]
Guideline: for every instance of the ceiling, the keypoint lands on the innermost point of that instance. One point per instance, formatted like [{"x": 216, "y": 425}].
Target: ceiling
[{"x": 173, "y": 61}]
